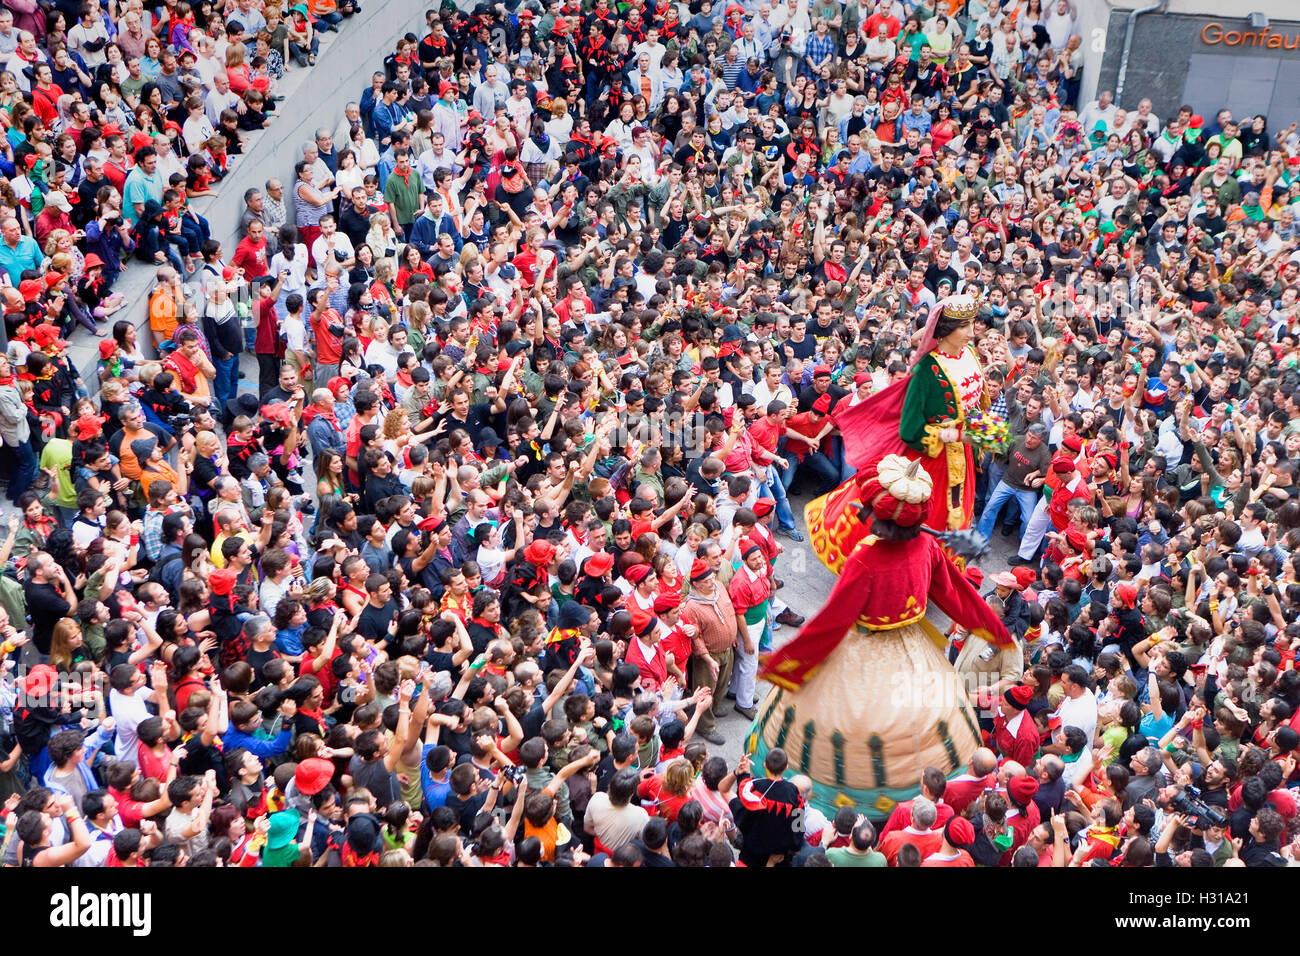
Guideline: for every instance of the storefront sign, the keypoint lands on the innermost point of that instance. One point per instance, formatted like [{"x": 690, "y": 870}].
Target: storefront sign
[{"x": 1215, "y": 34}]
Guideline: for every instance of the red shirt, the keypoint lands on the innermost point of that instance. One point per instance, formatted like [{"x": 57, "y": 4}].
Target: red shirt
[
  {"x": 766, "y": 433},
  {"x": 803, "y": 425},
  {"x": 129, "y": 811},
  {"x": 251, "y": 256},
  {"x": 928, "y": 842},
  {"x": 654, "y": 669},
  {"x": 329, "y": 347},
  {"x": 963, "y": 859}
]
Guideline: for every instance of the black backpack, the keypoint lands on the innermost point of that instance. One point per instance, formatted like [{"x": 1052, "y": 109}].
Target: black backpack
[{"x": 155, "y": 573}]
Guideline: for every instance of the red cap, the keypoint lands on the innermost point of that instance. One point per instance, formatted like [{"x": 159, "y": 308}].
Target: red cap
[
  {"x": 107, "y": 347},
  {"x": 88, "y": 426},
  {"x": 1022, "y": 789},
  {"x": 821, "y": 370},
  {"x": 700, "y": 570},
  {"x": 45, "y": 335},
  {"x": 1024, "y": 577},
  {"x": 764, "y": 506},
  {"x": 1072, "y": 442},
  {"x": 433, "y": 524},
  {"x": 637, "y": 573},
  {"x": 1062, "y": 464},
  {"x": 665, "y": 603},
  {"x": 822, "y": 405},
  {"x": 1078, "y": 540},
  {"x": 1127, "y": 592},
  {"x": 1019, "y": 696}
]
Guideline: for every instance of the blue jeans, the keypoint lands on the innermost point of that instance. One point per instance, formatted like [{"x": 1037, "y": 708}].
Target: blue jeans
[
  {"x": 1027, "y": 499},
  {"x": 195, "y": 233},
  {"x": 25, "y": 471},
  {"x": 846, "y": 470},
  {"x": 773, "y": 488},
  {"x": 818, "y": 464},
  {"x": 226, "y": 382}
]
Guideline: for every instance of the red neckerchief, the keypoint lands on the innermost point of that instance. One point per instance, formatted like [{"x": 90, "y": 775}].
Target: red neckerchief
[
  {"x": 332, "y": 417},
  {"x": 44, "y": 524}
]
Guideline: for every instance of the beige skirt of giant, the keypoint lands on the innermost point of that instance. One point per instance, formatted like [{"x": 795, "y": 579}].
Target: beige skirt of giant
[{"x": 882, "y": 707}]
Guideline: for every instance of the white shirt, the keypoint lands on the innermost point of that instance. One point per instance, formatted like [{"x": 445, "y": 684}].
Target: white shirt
[
  {"x": 1077, "y": 772},
  {"x": 215, "y": 102},
  {"x": 295, "y": 333},
  {"x": 297, "y": 266},
  {"x": 381, "y": 353},
  {"x": 1080, "y": 712},
  {"x": 765, "y": 396},
  {"x": 127, "y": 712},
  {"x": 615, "y": 827},
  {"x": 320, "y": 248}
]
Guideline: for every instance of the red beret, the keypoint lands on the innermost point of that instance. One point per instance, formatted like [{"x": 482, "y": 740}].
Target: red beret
[
  {"x": 1072, "y": 442},
  {"x": 1062, "y": 464},
  {"x": 764, "y": 506},
  {"x": 821, "y": 370},
  {"x": 822, "y": 405},
  {"x": 665, "y": 603},
  {"x": 959, "y": 832}
]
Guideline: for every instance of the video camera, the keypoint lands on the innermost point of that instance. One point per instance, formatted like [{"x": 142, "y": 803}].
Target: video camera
[{"x": 1199, "y": 813}]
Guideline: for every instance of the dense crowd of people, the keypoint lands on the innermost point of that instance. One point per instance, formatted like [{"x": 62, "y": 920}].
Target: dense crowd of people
[{"x": 551, "y": 327}]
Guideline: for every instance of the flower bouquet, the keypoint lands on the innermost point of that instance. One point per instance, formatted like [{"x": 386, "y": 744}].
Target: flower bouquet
[{"x": 988, "y": 431}]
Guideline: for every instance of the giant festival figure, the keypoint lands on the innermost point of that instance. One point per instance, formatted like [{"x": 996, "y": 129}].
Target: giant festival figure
[{"x": 864, "y": 697}]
